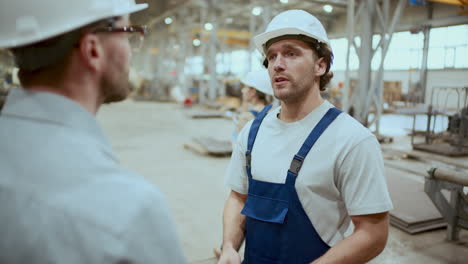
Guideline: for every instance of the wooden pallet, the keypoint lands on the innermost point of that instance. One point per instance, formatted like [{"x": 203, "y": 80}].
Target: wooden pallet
[{"x": 210, "y": 146}]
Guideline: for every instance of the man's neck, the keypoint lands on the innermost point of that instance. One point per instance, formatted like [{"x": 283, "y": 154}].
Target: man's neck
[
  {"x": 71, "y": 82},
  {"x": 83, "y": 95},
  {"x": 295, "y": 111}
]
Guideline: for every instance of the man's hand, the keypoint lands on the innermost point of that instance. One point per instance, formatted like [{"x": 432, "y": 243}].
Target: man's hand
[
  {"x": 233, "y": 228},
  {"x": 229, "y": 256}
]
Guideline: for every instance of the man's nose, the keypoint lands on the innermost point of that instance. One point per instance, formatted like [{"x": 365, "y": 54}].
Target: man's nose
[{"x": 278, "y": 64}]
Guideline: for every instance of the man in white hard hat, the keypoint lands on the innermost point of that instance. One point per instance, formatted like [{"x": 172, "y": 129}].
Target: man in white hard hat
[
  {"x": 256, "y": 93},
  {"x": 307, "y": 180},
  {"x": 64, "y": 197},
  {"x": 257, "y": 89}
]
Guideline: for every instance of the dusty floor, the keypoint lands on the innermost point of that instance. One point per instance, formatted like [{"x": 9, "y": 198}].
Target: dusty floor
[{"x": 148, "y": 138}]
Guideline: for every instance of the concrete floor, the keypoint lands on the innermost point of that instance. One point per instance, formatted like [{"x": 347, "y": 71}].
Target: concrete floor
[{"x": 148, "y": 138}]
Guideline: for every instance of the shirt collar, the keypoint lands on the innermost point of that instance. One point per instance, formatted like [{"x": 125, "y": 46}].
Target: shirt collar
[
  {"x": 315, "y": 114},
  {"x": 53, "y": 108}
]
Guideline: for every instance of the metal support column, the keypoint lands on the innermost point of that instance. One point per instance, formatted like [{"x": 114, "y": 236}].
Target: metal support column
[
  {"x": 350, "y": 30},
  {"x": 253, "y": 31},
  {"x": 365, "y": 59},
  {"x": 184, "y": 40},
  {"x": 202, "y": 88},
  {"x": 368, "y": 91},
  {"x": 213, "y": 80},
  {"x": 423, "y": 77},
  {"x": 209, "y": 85},
  {"x": 256, "y": 28},
  {"x": 160, "y": 62}
]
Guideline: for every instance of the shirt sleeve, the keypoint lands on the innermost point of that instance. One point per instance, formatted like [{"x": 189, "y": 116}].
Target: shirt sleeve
[
  {"x": 152, "y": 237},
  {"x": 236, "y": 176},
  {"x": 361, "y": 179}
]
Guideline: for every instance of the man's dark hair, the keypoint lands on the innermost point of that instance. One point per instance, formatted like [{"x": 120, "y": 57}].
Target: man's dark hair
[{"x": 321, "y": 50}]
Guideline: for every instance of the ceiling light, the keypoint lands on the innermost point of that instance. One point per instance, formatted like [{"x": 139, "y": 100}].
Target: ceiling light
[
  {"x": 229, "y": 20},
  {"x": 168, "y": 20},
  {"x": 208, "y": 26},
  {"x": 328, "y": 8},
  {"x": 196, "y": 42},
  {"x": 284, "y": 1},
  {"x": 256, "y": 11}
]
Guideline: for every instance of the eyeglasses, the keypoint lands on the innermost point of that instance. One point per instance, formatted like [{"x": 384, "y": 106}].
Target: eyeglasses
[{"x": 136, "y": 40}]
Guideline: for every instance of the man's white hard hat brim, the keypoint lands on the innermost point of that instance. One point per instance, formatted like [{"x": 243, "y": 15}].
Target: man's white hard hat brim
[
  {"x": 30, "y": 30},
  {"x": 261, "y": 39}
]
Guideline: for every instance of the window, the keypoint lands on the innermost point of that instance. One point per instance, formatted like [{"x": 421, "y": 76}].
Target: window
[{"x": 448, "y": 48}]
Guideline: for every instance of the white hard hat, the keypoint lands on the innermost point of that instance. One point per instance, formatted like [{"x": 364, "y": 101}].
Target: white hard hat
[
  {"x": 259, "y": 80},
  {"x": 25, "y": 22},
  {"x": 292, "y": 22}
]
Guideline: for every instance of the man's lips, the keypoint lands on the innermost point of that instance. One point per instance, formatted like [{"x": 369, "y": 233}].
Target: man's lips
[{"x": 280, "y": 80}]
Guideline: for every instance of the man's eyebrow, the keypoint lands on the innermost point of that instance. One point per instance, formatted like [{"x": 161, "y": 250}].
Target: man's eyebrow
[
  {"x": 290, "y": 46},
  {"x": 285, "y": 46}
]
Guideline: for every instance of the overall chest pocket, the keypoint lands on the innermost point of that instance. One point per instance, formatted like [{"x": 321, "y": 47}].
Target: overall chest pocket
[
  {"x": 265, "y": 237},
  {"x": 265, "y": 209}
]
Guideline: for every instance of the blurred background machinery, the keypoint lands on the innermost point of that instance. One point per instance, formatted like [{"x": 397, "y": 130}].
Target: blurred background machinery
[
  {"x": 454, "y": 140},
  {"x": 454, "y": 206}
]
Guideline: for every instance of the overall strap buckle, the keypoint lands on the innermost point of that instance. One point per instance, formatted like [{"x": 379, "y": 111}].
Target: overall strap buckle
[
  {"x": 296, "y": 164},
  {"x": 248, "y": 158}
]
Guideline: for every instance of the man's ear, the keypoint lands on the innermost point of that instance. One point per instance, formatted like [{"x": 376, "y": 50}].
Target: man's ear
[
  {"x": 91, "y": 51},
  {"x": 320, "y": 67}
]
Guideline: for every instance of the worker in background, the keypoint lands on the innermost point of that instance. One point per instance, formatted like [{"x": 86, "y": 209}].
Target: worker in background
[
  {"x": 256, "y": 94},
  {"x": 64, "y": 197},
  {"x": 307, "y": 180},
  {"x": 256, "y": 91}
]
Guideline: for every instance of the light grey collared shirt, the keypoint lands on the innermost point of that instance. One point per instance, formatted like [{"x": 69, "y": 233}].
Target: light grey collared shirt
[{"x": 63, "y": 196}]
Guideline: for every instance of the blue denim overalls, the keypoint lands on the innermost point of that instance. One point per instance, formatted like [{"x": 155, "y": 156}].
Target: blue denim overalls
[{"x": 277, "y": 228}]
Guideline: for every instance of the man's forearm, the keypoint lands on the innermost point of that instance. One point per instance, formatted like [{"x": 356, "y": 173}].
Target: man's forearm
[
  {"x": 367, "y": 241},
  {"x": 234, "y": 221},
  {"x": 357, "y": 248}
]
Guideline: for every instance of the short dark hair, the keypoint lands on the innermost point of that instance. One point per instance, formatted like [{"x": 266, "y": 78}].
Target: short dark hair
[{"x": 321, "y": 49}]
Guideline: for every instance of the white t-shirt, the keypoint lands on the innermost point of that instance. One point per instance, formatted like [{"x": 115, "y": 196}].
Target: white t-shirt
[{"x": 342, "y": 175}]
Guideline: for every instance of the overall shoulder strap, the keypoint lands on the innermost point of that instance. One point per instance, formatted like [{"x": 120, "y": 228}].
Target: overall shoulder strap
[
  {"x": 314, "y": 135},
  {"x": 255, "y": 113},
  {"x": 253, "y": 134}
]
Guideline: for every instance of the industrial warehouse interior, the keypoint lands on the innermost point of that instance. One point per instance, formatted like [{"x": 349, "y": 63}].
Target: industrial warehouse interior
[{"x": 400, "y": 68}]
